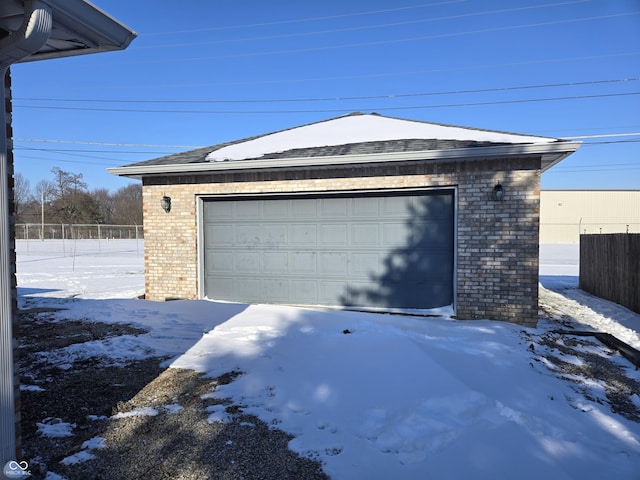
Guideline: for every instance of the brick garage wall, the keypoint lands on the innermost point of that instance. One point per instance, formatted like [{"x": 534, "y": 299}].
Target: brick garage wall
[{"x": 497, "y": 242}]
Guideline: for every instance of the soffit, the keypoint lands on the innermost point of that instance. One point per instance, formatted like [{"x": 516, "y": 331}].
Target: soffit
[{"x": 79, "y": 27}]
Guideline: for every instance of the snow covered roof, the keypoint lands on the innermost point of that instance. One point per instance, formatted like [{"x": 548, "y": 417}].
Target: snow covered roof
[
  {"x": 359, "y": 128},
  {"x": 354, "y": 138}
]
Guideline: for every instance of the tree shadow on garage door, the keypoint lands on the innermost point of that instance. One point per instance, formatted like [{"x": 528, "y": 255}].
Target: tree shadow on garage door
[{"x": 416, "y": 271}]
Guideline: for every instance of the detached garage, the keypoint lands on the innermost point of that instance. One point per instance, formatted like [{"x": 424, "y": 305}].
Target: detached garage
[{"x": 361, "y": 211}]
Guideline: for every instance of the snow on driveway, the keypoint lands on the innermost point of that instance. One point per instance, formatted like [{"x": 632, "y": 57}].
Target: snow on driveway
[{"x": 373, "y": 395}]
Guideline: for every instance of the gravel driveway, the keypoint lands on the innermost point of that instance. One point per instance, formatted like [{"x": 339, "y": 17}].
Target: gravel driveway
[
  {"x": 141, "y": 421},
  {"x": 136, "y": 420}
]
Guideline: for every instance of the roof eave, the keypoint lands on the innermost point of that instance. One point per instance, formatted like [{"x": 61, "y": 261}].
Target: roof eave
[
  {"x": 551, "y": 154},
  {"x": 93, "y": 30}
]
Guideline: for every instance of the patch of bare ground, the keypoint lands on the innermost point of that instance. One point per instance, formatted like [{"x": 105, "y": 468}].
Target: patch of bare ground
[
  {"x": 586, "y": 362},
  {"x": 137, "y": 420}
]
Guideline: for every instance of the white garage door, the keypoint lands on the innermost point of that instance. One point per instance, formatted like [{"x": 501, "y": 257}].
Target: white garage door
[{"x": 383, "y": 250}]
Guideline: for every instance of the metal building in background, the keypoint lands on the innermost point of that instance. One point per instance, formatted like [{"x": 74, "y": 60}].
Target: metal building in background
[{"x": 565, "y": 214}]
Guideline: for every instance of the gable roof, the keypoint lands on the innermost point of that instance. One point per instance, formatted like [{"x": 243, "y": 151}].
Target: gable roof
[{"x": 354, "y": 138}]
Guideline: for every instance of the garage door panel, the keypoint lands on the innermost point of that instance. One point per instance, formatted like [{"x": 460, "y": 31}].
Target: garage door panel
[
  {"x": 246, "y": 262},
  {"x": 395, "y": 235},
  {"x": 437, "y": 266},
  {"x": 365, "y": 207},
  {"x": 223, "y": 286},
  {"x": 365, "y": 234},
  {"x": 334, "y": 208},
  {"x": 277, "y": 210},
  {"x": 221, "y": 233},
  {"x": 275, "y": 235},
  {"x": 246, "y": 235},
  {"x": 333, "y": 235},
  {"x": 363, "y": 265},
  {"x": 330, "y": 292},
  {"x": 304, "y": 235},
  {"x": 394, "y": 207},
  {"x": 250, "y": 287},
  {"x": 250, "y": 210},
  {"x": 433, "y": 234},
  {"x": 305, "y": 291},
  {"x": 219, "y": 261},
  {"x": 374, "y": 250},
  {"x": 411, "y": 295},
  {"x": 276, "y": 289},
  {"x": 332, "y": 263},
  {"x": 433, "y": 208},
  {"x": 275, "y": 262},
  {"x": 303, "y": 263},
  {"x": 305, "y": 208},
  {"x": 218, "y": 213}
]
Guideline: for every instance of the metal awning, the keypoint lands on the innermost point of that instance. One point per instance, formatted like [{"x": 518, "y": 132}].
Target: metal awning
[{"x": 79, "y": 27}]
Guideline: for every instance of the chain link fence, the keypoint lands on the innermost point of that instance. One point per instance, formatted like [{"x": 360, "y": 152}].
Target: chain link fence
[{"x": 53, "y": 231}]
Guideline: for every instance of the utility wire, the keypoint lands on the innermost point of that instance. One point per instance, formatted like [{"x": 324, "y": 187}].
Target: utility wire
[
  {"x": 105, "y": 144},
  {"x": 72, "y": 151},
  {"x": 556, "y": 169},
  {"x": 301, "y": 20},
  {"x": 333, "y": 99},
  {"x": 387, "y": 74},
  {"x": 83, "y": 162},
  {"x": 151, "y": 145},
  {"x": 382, "y": 42},
  {"x": 271, "y": 112},
  {"x": 352, "y": 29}
]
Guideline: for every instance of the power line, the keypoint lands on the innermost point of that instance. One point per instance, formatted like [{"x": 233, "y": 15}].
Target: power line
[
  {"x": 386, "y": 74},
  {"x": 333, "y": 99},
  {"x": 111, "y": 164},
  {"x": 111, "y": 144},
  {"x": 271, "y": 112},
  {"x": 611, "y": 142},
  {"x": 540, "y": 132},
  {"x": 107, "y": 144},
  {"x": 382, "y": 42},
  {"x": 71, "y": 151},
  {"x": 301, "y": 20},
  {"x": 605, "y": 135},
  {"x": 358, "y": 28}
]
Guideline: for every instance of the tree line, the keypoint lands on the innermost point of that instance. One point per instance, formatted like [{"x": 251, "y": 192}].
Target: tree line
[{"x": 66, "y": 199}]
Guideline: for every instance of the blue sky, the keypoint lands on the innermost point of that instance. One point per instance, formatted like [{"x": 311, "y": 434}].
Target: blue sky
[{"x": 203, "y": 72}]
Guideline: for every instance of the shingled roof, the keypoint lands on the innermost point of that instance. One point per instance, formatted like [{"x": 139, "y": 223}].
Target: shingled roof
[{"x": 352, "y": 138}]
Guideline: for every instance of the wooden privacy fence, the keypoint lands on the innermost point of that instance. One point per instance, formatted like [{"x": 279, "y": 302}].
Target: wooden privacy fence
[{"x": 610, "y": 267}]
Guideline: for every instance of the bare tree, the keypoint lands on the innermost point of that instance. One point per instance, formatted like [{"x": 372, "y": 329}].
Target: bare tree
[
  {"x": 21, "y": 194},
  {"x": 127, "y": 205},
  {"x": 105, "y": 204},
  {"x": 65, "y": 199},
  {"x": 69, "y": 189},
  {"x": 44, "y": 188}
]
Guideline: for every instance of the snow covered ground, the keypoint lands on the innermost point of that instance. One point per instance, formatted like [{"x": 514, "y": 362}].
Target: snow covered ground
[{"x": 370, "y": 395}]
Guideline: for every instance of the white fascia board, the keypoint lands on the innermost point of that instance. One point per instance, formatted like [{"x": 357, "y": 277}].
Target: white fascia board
[
  {"x": 99, "y": 31},
  {"x": 553, "y": 153}
]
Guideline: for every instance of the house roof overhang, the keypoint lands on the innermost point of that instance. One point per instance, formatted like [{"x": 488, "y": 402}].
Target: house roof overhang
[
  {"x": 79, "y": 28},
  {"x": 550, "y": 153}
]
